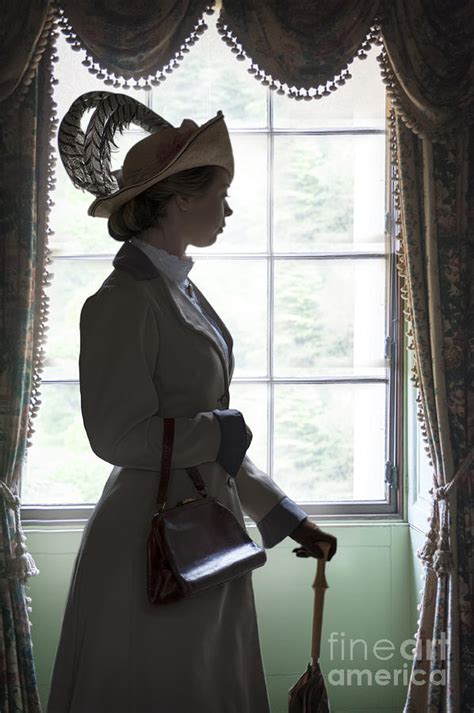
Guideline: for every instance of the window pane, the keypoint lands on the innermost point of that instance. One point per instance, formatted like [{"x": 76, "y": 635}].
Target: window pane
[
  {"x": 359, "y": 102},
  {"x": 237, "y": 290},
  {"x": 252, "y": 401},
  {"x": 329, "y": 441},
  {"x": 73, "y": 282},
  {"x": 62, "y": 468},
  {"x": 246, "y": 230},
  {"x": 330, "y": 196},
  {"x": 209, "y": 79},
  {"x": 329, "y": 318}
]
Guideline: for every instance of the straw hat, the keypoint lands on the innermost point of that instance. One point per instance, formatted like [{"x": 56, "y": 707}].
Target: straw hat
[{"x": 168, "y": 150}]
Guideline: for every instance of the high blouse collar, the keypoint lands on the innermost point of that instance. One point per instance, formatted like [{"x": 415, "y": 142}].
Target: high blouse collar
[{"x": 174, "y": 268}]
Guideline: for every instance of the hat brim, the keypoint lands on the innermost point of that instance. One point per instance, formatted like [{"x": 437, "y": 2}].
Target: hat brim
[{"x": 208, "y": 146}]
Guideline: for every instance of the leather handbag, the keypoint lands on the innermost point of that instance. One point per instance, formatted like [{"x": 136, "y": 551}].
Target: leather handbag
[{"x": 197, "y": 544}]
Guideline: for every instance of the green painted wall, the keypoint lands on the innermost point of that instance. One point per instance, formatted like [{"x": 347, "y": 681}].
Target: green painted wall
[{"x": 374, "y": 581}]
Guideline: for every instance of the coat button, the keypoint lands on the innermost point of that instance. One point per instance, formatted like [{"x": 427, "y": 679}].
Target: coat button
[
  {"x": 223, "y": 400},
  {"x": 230, "y": 482}
]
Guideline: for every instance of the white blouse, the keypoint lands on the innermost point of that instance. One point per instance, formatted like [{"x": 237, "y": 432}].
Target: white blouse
[{"x": 177, "y": 269}]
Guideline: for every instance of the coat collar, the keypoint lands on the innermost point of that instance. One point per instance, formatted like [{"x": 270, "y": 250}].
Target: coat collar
[{"x": 134, "y": 261}]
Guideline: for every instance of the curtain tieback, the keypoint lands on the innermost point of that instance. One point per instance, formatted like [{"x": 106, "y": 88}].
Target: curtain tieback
[
  {"x": 21, "y": 564},
  {"x": 442, "y": 492},
  {"x": 436, "y": 551}
]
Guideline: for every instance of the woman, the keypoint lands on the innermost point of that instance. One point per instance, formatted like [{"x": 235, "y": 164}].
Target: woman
[{"x": 152, "y": 347}]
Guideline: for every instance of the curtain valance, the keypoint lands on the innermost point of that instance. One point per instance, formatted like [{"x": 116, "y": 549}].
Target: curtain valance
[
  {"x": 305, "y": 46},
  {"x": 24, "y": 30},
  {"x": 302, "y": 49},
  {"x": 133, "y": 40},
  {"x": 429, "y": 58}
]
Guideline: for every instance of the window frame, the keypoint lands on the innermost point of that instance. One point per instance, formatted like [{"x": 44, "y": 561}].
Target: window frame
[{"x": 344, "y": 511}]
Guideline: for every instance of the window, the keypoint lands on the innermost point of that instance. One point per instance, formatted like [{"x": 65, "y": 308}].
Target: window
[
  {"x": 304, "y": 275},
  {"x": 419, "y": 470}
]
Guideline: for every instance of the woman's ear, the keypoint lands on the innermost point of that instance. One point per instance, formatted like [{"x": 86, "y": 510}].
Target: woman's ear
[{"x": 183, "y": 202}]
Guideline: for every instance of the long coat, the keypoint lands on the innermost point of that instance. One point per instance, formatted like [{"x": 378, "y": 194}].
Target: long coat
[{"x": 147, "y": 353}]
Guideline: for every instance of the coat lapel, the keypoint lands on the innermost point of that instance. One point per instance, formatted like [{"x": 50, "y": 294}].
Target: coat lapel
[{"x": 134, "y": 261}]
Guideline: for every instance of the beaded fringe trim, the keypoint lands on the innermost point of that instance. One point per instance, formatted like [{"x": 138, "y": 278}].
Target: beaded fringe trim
[
  {"x": 16, "y": 98},
  {"x": 373, "y": 37},
  {"x": 402, "y": 272},
  {"x": 435, "y": 552},
  {"x": 396, "y": 97},
  {"x": 40, "y": 337},
  {"x": 111, "y": 79}
]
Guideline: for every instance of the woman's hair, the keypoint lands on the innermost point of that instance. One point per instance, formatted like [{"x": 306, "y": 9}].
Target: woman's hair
[{"x": 148, "y": 207}]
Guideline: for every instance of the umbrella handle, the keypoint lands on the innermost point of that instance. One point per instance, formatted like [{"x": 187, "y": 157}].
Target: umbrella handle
[{"x": 319, "y": 585}]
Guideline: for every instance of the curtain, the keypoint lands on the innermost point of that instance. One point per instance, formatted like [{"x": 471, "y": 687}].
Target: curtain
[
  {"x": 24, "y": 34},
  {"x": 25, "y": 131},
  {"x": 427, "y": 58},
  {"x": 436, "y": 199},
  {"x": 426, "y": 63}
]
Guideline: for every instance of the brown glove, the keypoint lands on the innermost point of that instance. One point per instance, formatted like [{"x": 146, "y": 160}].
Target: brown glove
[{"x": 308, "y": 534}]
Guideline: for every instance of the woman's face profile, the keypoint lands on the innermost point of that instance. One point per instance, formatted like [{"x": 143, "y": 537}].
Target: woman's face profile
[{"x": 205, "y": 216}]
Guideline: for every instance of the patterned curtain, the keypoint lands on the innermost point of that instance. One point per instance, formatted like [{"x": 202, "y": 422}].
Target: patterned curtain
[
  {"x": 436, "y": 201},
  {"x": 24, "y": 33},
  {"x": 25, "y": 131},
  {"x": 304, "y": 50},
  {"x": 429, "y": 59}
]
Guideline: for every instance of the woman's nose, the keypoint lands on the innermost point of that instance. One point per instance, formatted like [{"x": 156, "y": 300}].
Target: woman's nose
[{"x": 228, "y": 209}]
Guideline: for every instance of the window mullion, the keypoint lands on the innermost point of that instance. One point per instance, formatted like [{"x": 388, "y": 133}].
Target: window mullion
[{"x": 270, "y": 291}]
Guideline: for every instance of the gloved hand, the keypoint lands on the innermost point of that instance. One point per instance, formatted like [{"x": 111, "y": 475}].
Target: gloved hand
[{"x": 308, "y": 534}]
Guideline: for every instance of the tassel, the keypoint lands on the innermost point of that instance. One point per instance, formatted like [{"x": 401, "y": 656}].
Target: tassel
[
  {"x": 426, "y": 553},
  {"x": 22, "y": 565},
  {"x": 442, "y": 562}
]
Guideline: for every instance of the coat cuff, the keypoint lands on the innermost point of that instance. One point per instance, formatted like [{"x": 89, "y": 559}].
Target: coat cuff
[
  {"x": 234, "y": 442},
  {"x": 280, "y": 522}
]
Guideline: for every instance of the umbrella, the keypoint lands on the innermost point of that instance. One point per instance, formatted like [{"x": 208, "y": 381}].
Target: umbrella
[{"x": 309, "y": 695}]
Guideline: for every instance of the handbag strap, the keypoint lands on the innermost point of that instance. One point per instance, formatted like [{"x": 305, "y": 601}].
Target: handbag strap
[{"x": 166, "y": 453}]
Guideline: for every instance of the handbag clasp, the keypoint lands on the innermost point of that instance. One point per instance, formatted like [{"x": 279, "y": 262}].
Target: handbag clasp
[{"x": 186, "y": 500}]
